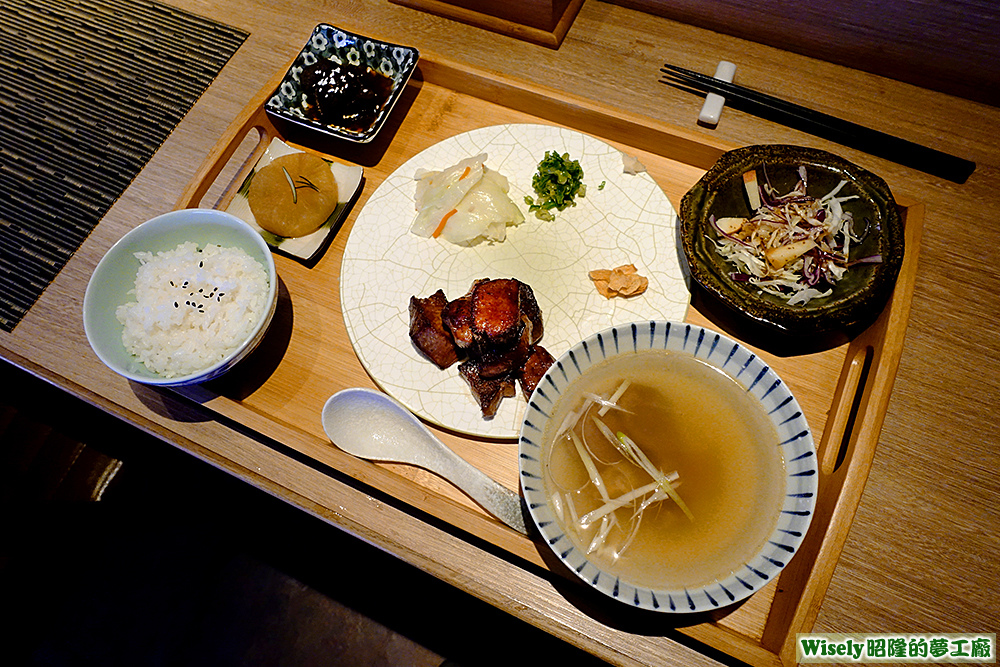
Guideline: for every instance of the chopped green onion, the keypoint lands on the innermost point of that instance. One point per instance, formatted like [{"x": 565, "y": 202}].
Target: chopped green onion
[
  {"x": 588, "y": 463},
  {"x": 557, "y": 183},
  {"x": 613, "y": 400},
  {"x": 616, "y": 503}
]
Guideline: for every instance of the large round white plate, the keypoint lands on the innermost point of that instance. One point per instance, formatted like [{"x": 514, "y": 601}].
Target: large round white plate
[{"x": 628, "y": 220}]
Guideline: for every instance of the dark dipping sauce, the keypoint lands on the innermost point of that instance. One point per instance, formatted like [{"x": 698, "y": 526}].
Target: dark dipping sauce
[{"x": 347, "y": 96}]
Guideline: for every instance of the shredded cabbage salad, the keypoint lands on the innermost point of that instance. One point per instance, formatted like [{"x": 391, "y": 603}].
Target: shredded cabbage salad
[{"x": 795, "y": 246}]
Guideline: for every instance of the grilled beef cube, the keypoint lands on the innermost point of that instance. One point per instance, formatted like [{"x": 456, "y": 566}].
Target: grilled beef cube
[
  {"x": 487, "y": 391},
  {"x": 534, "y": 368},
  {"x": 496, "y": 360},
  {"x": 495, "y": 327},
  {"x": 529, "y": 307},
  {"x": 457, "y": 320},
  {"x": 496, "y": 313},
  {"x": 427, "y": 331}
]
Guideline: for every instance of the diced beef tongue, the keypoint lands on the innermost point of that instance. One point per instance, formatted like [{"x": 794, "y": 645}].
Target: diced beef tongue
[
  {"x": 529, "y": 307},
  {"x": 457, "y": 319},
  {"x": 427, "y": 330},
  {"x": 495, "y": 326},
  {"x": 487, "y": 391},
  {"x": 496, "y": 312},
  {"x": 534, "y": 368},
  {"x": 501, "y": 360}
]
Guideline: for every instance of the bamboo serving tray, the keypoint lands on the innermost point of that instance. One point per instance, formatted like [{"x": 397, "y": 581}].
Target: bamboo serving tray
[{"x": 280, "y": 389}]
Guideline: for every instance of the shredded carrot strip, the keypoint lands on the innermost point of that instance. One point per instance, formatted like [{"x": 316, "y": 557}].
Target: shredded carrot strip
[
  {"x": 465, "y": 173},
  {"x": 444, "y": 221}
]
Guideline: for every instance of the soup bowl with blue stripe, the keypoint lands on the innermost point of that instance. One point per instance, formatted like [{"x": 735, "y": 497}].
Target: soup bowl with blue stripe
[{"x": 793, "y": 506}]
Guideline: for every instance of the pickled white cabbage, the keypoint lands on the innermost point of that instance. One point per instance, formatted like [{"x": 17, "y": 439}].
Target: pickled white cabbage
[{"x": 464, "y": 203}]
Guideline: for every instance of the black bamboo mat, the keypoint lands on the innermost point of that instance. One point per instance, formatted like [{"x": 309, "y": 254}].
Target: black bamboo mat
[{"x": 89, "y": 90}]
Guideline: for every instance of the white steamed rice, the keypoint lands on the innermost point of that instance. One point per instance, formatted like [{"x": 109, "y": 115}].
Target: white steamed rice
[{"x": 192, "y": 307}]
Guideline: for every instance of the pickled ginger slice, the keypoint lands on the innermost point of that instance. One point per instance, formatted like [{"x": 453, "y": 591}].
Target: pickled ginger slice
[
  {"x": 439, "y": 193},
  {"x": 484, "y": 212}
]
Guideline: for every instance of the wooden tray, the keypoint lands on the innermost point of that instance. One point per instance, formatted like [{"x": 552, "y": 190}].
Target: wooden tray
[{"x": 307, "y": 356}]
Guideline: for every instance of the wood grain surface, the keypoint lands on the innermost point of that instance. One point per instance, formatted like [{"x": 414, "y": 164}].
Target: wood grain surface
[
  {"x": 953, "y": 47},
  {"x": 920, "y": 552},
  {"x": 542, "y": 22}
]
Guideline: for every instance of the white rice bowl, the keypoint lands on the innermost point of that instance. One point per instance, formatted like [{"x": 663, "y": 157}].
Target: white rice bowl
[
  {"x": 129, "y": 315},
  {"x": 193, "y": 307}
]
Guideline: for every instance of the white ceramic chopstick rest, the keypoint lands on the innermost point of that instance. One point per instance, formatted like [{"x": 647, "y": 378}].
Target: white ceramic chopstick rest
[{"x": 711, "y": 110}]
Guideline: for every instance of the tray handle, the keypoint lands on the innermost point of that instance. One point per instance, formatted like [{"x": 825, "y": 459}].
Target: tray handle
[
  {"x": 220, "y": 158},
  {"x": 845, "y": 455},
  {"x": 253, "y": 117},
  {"x": 836, "y": 445}
]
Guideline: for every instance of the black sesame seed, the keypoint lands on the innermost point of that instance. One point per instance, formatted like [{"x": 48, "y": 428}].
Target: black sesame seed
[{"x": 175, "y": 305}]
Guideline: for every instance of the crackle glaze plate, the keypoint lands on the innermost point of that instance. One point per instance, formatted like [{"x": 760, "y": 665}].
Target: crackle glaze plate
[{"x": 626, "y": 220}]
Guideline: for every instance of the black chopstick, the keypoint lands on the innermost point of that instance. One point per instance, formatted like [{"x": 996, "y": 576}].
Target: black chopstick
[{"x": 824, "y": 125}]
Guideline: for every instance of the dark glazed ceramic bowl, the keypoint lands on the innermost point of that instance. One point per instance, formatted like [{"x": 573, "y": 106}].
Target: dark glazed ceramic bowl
[
  {"x": 857, "y": 299},
  {"x": 294, "y": 101}
]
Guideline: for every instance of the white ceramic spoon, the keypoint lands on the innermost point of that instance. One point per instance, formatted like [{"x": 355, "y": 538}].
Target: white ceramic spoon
[{"x": 373, "y": 426}]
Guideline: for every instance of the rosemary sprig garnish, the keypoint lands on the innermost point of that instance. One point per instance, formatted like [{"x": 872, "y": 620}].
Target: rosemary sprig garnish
[
  {"x": 245, "y": 185},
  {"x": 291, "y": 184},
  {"x": 303, "y": 183},
  {"x": 306, "y": 183}
]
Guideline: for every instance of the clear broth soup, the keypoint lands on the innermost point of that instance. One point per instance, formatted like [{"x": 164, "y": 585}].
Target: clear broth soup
[{"x": 688, "y": 417}]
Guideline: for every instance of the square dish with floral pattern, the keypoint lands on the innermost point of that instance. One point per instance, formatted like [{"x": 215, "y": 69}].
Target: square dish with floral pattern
[{"x": 342, "y": 84}]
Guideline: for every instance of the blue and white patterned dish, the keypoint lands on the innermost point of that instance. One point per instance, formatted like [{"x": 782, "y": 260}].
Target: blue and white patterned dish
[
  {"x": 761, "y": 382},
  {"x": 290, "y": 101}
]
